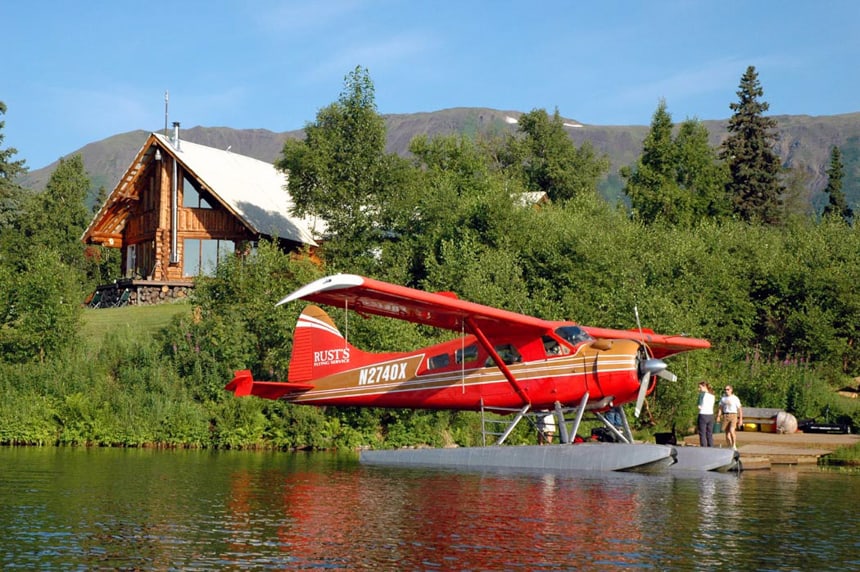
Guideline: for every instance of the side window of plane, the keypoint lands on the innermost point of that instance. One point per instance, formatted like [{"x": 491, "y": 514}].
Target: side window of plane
[
  {"x": 439, "y": 361},
  {"x": 572, "y": 334},
  {"x": 553, "y": 348},
  {"x": 508, "y": 353},
  {"x": 467, "y": 354}
]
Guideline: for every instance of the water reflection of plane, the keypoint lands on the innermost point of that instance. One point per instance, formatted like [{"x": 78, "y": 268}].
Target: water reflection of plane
[{"x": 447, "y": 520}]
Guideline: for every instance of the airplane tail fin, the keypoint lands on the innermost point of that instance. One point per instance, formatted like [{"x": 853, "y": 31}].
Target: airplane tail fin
[{"x": 319, "y": 349}]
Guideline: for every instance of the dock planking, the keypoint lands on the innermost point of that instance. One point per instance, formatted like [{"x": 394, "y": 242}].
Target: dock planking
[{"x": 760, "y": 450}]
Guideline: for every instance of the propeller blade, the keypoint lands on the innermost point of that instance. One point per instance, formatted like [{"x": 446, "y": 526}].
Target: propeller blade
[
  {"x": 647, "y": 368},
  {"x": 643, "y": 389},
  {"x": 667, "y": 375}
]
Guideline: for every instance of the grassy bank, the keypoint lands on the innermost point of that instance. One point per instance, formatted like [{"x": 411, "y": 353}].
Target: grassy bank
[
  {"x": 130, "y": 321},
  {"x": 845, "y": 456}
]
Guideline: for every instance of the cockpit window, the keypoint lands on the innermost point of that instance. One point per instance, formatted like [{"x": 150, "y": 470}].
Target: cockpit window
[
  {"x": 572, "y": 334},
  {"x": 467, "y": 354},
  {"x": 437, "y": 362},
  {"x": 553, "y": 348},
  {"x": 508, "y": 353}
]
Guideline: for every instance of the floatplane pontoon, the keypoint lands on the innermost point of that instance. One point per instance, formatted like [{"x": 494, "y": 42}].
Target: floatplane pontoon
[{"x": 619, "y": 453}]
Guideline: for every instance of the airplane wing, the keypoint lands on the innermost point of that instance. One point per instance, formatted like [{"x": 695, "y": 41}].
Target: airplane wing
[
  {"x": 442, "y": 310},
  {"x": 659, "y": 344},
  {"x": 445, "y": 310}
]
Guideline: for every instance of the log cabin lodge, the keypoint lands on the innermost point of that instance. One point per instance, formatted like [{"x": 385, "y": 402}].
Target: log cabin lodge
[{"x": 179, "y": 208}]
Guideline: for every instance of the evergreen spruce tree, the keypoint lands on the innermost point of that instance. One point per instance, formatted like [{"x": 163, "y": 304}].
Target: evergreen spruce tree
[
  {"x": 837, "y": 205},
  {"x": 677, "y": 180},
  {"x": 651, "y": 186},
  {"x": 700, "y": 173},
  {"x": 754, "y": 167},
  {"x": 12, "y": 195},
  {"x": 101, "y": 197}
]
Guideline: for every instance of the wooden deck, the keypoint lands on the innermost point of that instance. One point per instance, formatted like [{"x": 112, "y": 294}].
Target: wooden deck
[{"x": 760, "y": 450}]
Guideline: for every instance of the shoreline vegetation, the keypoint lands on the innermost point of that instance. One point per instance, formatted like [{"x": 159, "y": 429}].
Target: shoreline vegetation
[
  {"x": 844, "y": 457},
  {"x": 134, "y": 401}
]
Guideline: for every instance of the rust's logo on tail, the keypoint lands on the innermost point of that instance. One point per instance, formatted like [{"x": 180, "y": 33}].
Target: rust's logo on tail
[
  {"x": 331, "y": 357},
  {"x": 318, "y": 347}
]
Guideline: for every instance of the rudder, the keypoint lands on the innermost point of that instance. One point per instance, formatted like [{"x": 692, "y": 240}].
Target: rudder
[{"x": 317, "y": 343}]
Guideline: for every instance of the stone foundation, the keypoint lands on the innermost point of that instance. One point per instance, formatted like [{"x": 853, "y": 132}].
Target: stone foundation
[{"x": 139, "y": 293}]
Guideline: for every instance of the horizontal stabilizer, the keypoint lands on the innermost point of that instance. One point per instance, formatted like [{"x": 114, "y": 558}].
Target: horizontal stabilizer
[{"x": 243, "y": 384}]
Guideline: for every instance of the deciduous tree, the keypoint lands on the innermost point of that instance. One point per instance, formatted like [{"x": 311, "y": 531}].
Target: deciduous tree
[
  {"x": 795, "y": 200},
  {"x": 462, "y": 203},
  {"x": 39, "y": 307},
  {"x": 551, "y": 162},
  {"x": 341, "y": 171}
]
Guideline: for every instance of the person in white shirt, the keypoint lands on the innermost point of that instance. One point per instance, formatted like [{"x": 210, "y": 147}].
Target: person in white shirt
[
  {"x": 705, "y": 422},
  {"x": 732, "y": 415},
  {"x": 546, "y": 428}
]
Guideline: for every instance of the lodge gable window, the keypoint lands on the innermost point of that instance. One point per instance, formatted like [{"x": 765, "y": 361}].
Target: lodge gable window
[{"x": 193, "y": 196}]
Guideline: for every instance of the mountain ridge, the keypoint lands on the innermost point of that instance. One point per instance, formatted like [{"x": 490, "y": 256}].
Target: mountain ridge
[{"x": 804, "y": 141}]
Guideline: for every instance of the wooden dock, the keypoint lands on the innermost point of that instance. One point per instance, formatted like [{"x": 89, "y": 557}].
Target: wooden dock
[{"x": 761, "y": 450}]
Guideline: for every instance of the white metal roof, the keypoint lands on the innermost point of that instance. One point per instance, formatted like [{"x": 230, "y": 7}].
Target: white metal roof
[{"x": 255, "y": 191}]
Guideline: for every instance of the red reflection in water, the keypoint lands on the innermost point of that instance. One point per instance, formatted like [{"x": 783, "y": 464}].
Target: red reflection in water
[
  {"x": 437, "y": 519},
  {"x": 531, "y": 521}
]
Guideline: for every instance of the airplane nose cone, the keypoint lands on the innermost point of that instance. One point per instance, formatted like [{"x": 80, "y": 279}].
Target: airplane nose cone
[{"x": 654, "y": 365}]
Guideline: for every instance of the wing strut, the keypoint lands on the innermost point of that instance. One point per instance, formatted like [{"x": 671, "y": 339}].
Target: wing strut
[
  {"x": 513, "y": 424},
  {"x": 499, "y": 362}
]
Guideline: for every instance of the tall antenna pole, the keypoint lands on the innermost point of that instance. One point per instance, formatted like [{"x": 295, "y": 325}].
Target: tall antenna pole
[{"x": 166, "y": 98}]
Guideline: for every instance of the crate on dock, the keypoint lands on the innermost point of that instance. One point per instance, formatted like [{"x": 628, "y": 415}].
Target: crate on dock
[{"x": 760, "y": 419}]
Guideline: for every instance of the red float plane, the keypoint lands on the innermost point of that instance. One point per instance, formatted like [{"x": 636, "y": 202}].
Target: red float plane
[{"x": 503, "y": 362}]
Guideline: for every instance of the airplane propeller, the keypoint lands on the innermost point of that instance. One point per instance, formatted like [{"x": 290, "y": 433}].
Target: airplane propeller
[{"x": 648, "y": 366}]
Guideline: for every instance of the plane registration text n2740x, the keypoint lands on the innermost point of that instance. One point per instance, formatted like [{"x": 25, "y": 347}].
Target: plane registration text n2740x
[{"x": 388, "y": 373}]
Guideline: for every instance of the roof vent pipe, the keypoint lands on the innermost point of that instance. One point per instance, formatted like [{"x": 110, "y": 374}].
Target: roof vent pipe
[
  {"x": 174, "y": 200},
  {"x": 176, "y": 135}
]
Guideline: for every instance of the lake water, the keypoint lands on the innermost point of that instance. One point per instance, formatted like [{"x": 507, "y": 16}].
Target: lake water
[{"x": 89, "y": 509}]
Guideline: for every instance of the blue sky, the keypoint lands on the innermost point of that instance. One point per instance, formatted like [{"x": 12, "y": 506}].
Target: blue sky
[{"x": 77, "y": 72}]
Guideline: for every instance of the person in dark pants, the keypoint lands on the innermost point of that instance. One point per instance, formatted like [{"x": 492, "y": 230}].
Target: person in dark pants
[{"x": 706, "y": 415}]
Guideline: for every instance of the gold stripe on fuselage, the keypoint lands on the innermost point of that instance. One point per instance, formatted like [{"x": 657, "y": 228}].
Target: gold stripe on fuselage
[{"x": 348, "y": 384}]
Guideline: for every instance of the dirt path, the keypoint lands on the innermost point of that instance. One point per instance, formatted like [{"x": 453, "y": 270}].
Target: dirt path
[{"x": 801, "y": 440}]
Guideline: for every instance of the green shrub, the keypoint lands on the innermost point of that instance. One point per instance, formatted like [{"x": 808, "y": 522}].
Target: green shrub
[{"x": 27, "y": 418}]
